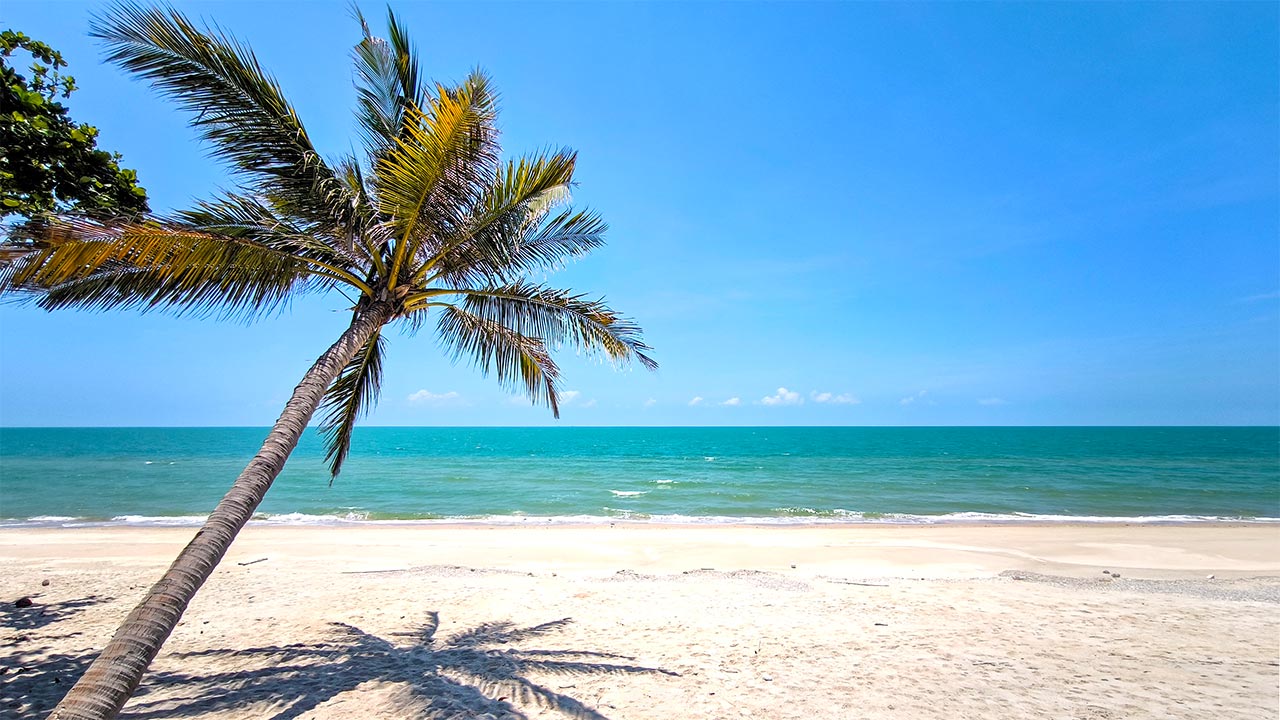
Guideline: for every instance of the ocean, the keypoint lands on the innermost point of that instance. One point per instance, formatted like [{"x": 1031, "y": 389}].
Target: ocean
[{"x": 162, "y": 476}]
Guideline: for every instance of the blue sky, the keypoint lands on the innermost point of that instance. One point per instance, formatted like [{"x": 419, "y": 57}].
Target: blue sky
[{"x": 862, "y": 214}]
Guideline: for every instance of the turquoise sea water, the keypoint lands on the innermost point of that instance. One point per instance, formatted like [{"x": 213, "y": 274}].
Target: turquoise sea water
[{"x": 71, "y": 476}]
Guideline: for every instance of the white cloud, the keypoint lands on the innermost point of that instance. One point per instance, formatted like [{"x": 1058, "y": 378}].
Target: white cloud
[
  {"x": 834, "y": 399},
  {"x": 912, "y": 398},
  {"x": 696, "y": 401},
  {"x": 782, "y": 397},
  {"x": 732, "y": 402},
  {"x": 650, "y": 402},
  {"x": 568, "y": 396},
  {"x": 993, "y": 401},
  {"x": 589, "y": 403},
  {"x": 426, "y": 397},
  {"x": 1261, "y": 297}
]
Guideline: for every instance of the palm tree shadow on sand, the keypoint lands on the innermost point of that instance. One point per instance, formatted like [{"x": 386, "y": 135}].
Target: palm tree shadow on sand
[
  {"x": 33, "y": 678},
  {"x": 471, "y": 673}
]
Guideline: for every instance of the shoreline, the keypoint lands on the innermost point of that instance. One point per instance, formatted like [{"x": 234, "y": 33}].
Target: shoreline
[{"x": 680, "y": 521}]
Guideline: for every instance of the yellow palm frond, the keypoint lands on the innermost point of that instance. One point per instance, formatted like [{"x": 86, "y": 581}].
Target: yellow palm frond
[
  {"x": 151, "y": 267},
  {"x": 443, "y": 161}
]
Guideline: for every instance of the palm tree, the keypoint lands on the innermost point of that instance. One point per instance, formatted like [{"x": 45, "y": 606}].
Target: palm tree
[{"x": 429, "y": 223}]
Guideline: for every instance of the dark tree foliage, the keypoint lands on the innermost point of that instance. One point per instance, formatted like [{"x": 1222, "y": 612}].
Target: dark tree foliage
[{"x": 48, "y": 162}]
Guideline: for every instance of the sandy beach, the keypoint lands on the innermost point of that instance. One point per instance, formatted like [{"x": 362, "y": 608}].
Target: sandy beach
[{"x": 644, "y": 621}]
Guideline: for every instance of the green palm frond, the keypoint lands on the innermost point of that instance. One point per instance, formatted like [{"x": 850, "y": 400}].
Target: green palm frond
[
  {"x": 153, "y": 267},
  {"x": 351, "y": 173},
  {"x": 534, "y": 183},
  {"x": 559, "y": 317},
  {"x": 444, "y": 160},
  {"x": 366, "y": 235},
  {"x": 387, "y": 83},
  {"x": 568, "y": 235},
  {"x": 238, "y": 107},
  {"x": 518, "y": 361},
  {"x": 491, "y": 246},
  {"x": 349, "y": 398}
]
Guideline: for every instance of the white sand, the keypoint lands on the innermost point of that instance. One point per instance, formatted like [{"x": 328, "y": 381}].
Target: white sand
[{"x": 668, "y": 622}]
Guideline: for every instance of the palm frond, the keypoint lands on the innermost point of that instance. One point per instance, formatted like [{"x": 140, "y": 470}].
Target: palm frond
[
  {"x": 387, "y": 83},
  {"x": 443, "y": 161},
  {"x": 503, "y": 238},
  {"x": 253, "y": 220},
  {"x": 518, "y": 361},
  {"x": 365, "y": 235},
  {"x": 568, "y": 235},
  {"x": 153, "y": 267},
  {"x": 239, "y": 109},
  {"x": 349, "y": 398},
  {"x": 558, "y": 317}
]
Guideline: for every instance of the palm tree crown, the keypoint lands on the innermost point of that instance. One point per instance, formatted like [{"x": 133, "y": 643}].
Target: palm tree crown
[{"x": 427, "y": 221}]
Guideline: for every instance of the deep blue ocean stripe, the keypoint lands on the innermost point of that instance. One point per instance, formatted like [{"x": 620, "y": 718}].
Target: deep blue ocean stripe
[{"x": 61, "y": 475}]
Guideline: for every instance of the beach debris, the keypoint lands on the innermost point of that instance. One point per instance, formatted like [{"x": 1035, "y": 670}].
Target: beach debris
[
  {"x": 767, "y": 678},
  {"x": 793, "y": 567},
  {"x": 23, "y": 602},
  {"x": 252, "y": 562},
  {"x": 45, "y": 583},
  {"x": 1210, "y": 577},
  {"x": 882, "y": 624},
  {"x": 1106, "y": 572}
]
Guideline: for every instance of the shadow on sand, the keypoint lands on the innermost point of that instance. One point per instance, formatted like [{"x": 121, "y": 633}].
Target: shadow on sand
[
  {"x": 33, "y": 679},
  {"x": 479, "y": 671},
  {"x": 471, "y": 673}
]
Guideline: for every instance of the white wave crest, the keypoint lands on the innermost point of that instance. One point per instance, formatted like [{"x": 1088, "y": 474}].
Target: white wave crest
[{"x": 789, "y": 516}]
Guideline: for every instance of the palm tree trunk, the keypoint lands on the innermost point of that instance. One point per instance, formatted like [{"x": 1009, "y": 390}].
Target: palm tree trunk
[{"x": 109, "y": 682}]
